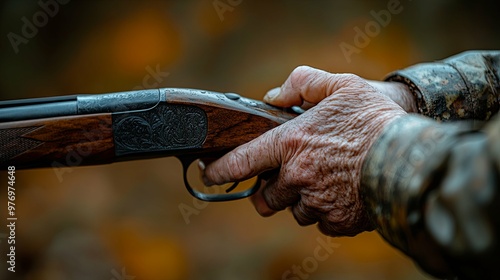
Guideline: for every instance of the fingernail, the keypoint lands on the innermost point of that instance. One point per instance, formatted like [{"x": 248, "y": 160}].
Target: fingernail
[
  {"x": 201, "y": 165},
  {"x": 272, "y": 94}
]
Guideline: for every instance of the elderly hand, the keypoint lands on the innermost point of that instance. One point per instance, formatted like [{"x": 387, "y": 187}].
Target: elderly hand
[{"x": 320, "y": 153}]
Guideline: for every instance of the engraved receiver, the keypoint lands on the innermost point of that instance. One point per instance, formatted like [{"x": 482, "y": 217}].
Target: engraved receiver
[{"x": 103, "y": 128}]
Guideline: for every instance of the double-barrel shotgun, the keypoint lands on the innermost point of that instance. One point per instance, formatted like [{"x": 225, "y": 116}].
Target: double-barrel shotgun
[{"x": 104, "y": 128}]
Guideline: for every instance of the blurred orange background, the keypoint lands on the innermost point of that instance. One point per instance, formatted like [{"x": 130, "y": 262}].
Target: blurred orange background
[{"x": 123, "y": 221}]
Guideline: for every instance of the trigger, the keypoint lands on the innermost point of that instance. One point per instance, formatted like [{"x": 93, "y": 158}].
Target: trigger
[{"x": 232, "y": 187}]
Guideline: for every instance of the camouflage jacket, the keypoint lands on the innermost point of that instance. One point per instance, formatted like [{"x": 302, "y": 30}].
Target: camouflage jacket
[{"x": 432, "y": 187}]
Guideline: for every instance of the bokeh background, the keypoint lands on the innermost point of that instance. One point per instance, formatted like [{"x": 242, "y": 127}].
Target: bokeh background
[{"x": 123, "y": 221}]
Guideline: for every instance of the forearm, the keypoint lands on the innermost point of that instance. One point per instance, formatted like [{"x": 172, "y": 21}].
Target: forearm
[
  {"x": 464, "y": 86},
  {"x": 431, "y": 190}
]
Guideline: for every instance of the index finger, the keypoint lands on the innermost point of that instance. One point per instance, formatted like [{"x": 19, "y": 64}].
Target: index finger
[{"x": 246, "y": 161}]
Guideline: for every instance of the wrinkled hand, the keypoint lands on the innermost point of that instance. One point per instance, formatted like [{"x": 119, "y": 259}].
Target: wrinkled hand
[{"x": 319, "y": 154}]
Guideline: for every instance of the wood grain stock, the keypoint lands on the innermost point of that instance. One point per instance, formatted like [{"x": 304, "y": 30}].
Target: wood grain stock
[
  {"x": 57, "y": 142},
  {"x": 228, "y": 129}
]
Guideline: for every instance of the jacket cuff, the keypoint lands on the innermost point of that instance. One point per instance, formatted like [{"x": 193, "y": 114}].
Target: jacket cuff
[{"x": 465, "y": 86}]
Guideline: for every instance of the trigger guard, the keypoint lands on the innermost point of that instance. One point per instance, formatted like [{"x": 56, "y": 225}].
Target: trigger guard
[{"x": 186, "y": 162}]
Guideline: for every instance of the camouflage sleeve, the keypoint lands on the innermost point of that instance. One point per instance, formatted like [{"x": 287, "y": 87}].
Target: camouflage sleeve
[
  {"x": 464, "y": 86},
  {"x": 432, "y": 188}
]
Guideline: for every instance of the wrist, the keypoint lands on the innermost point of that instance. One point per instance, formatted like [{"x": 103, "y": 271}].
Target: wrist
[
  {"x": 406, "y": 96},
  {"x": 398, "y": 92}
]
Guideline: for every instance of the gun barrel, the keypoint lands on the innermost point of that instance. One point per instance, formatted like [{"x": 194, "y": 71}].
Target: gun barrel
[
  {"x": 40, "y": 110},
  {"x": 50, "y": 107}
]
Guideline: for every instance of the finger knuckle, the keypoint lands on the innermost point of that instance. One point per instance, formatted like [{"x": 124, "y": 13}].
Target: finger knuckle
[
  {"x": 304, "y": 215},
  {"x": 327, "y": 229},
  {"x": 299, "y": 76},
  {"x": 350, "y": 80},
  {"x": 295, "y": 136},
  {"x": 300, "y": 70},
  {"x": 350, "y": 77}
]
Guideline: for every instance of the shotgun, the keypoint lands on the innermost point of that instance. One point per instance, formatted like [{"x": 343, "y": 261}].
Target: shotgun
[{"x": 68, "y": 131}]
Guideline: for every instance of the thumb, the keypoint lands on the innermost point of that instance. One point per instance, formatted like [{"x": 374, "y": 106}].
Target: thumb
[{"x": 307, "y": 84}]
